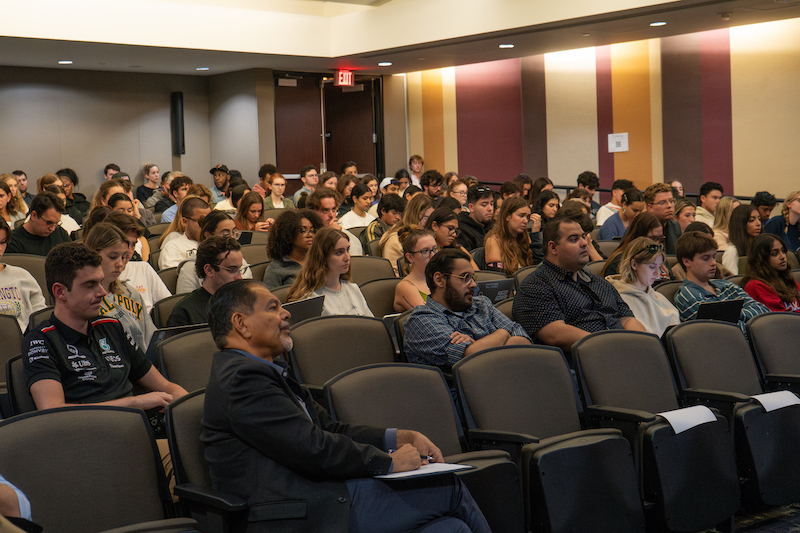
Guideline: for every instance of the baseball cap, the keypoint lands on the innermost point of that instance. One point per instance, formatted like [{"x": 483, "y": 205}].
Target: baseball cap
[
  {"x": 388, "y": 181},
  {"x": 221, "y": 168}
]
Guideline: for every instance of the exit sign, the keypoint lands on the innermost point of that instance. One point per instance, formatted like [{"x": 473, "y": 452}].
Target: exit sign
[{"x": 343, "y": 78}]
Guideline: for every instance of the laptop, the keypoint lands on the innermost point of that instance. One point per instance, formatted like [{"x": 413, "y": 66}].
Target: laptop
[
  {"x": 496, "y": 290},
  {"x": 163, "y": 334},
  {"x": 304, "y": 309},
  {"x": 726, "y": 310}
]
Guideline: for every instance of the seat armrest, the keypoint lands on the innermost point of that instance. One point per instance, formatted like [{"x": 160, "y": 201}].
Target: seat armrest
[
  {"x": 715, "y": 395},
  {"x": 492, "y": 435},
  {"x": 189, "y": 492},
  {"x": 619, "y": 413},
  {"x": 782, "y": 378}
]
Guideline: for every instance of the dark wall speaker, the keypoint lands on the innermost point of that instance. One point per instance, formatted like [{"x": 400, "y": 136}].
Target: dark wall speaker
[{"x": 176, "y": 120}]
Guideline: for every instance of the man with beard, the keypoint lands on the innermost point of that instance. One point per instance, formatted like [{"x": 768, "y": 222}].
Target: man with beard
[
  {"x": 560, "y": 303},
  {"x": 453, "y": 324}
]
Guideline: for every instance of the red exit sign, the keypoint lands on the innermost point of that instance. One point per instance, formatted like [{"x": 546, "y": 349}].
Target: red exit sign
[{"x": 343, "y": 78}]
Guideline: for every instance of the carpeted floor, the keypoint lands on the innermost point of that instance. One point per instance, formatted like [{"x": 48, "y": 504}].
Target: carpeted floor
[{"x": 780, "y": 520}]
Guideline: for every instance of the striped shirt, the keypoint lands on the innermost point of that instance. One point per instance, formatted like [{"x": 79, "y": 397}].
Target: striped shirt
[{"x": 691, "y": 295}]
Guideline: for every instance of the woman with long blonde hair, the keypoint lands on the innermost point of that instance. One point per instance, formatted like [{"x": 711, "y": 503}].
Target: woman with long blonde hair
[
  {"x": 13, "y": 184},
  {"x": 508, "y": 245},
  {"x": 787, "y": 224},
  {"x": 722, "y": 220},
  {"x": 326, "y": 272},
  {"x": 417, "y": 211}
]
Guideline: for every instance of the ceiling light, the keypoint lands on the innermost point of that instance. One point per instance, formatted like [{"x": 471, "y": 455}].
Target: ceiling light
[
  {"x": 201, "y": 68},
  {"x": 385, "y": 64},
  {"x": 506, "y": 46},
  {"x": 656, "y": 24},
  {"x": 65, "y": 62}
]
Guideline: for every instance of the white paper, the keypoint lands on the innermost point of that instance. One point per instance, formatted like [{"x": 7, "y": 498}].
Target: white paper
[
  {"x": 429, "y": 469},
  {"x": 617, "y": 142},
  {"x": 688, "y": 417},
  {"x": 775, "y": 400}
]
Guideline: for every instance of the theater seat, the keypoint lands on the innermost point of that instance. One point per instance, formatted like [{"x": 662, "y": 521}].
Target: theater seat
[{"x": 774, "y": 338}]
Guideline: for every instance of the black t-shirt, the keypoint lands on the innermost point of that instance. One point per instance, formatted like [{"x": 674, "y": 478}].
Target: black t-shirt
[
  {"x": 143, "y": 193},
  {"x": 92, "y": 368},
  {"x": 163, "y": 204},
  {"x": 190, "y": 310},
  {"x": 22, "y": 242}
]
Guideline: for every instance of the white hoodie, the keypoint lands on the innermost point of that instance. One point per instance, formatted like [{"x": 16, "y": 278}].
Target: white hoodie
[{"x": 651, "y": 308}]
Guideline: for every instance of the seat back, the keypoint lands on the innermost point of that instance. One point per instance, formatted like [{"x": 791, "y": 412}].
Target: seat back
[
  {"x": 793, "y": 261},
  {"x": 774, "y": 338},
  {"x": 488, "y": 275},
  {"x": 536, "y": 397},
  {"x": 669, "y": 289},
  {"x": 37, "y": 317},
  {"x": 366, "y": 268},
  {"x": 258, "y": 270},
  {"x": 12, "y": 342},
  {"x": 255, "y": 253},
  {"x": 737, "y": 280},
  {"x": 281, "y": 293},
  {"x": 397, "y": 395},
  {"x": 627, "y": 369},
  {"x": 607, "y": 247},
  {"x": 374, "y": 248},
  {"x": 162, "y": 309},
  {"x": 357, "y": 230},
  {"x": 379, "y": 294},
  {"x": 596, "y": 267},
  {"x": 184, "y": 418},
  {"x": 328, "y": 345},
  {"x": 709, "y": 354},
  {"x": 153, "y": 259},
  {"x": 158, "y": 229},
  {"x": 255, "y": 237},
  {"x": 274, "y": 213},
  {"x": 20, "y": 396},
  {"x": 34, "y": 264},
  {"x": 170, "y": 278},
  {"x": 523, "y": 273},
  {"x": 506, "y": 307},
  {"x": 186, "y": 359},
  {"x": 400, "y": 332},
  {"x": 100, "y": 460},
  {"x": 479, "y": 256}
]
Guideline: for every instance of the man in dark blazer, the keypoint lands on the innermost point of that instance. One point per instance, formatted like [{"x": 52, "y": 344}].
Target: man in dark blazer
[{"x": 270, "y": 443}]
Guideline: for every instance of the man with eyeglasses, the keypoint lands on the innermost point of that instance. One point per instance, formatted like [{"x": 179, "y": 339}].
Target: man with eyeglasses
[
  {"x": 659, "y": 201},
  {"x": 478, "y": 221},
  {"x": 219, "y": 261},
  {"x": 193, "y": 210},
  {"x": 42, "y": 231},
  {"x": 431, "y": 184},
  {"x": 560, "y": 303},
  {"x": 454, "y": 323}
]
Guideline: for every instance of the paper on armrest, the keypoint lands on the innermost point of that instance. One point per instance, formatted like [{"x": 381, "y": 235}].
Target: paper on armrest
[
  {"x": 688, "y": 417},
  {"x": 775, "y": 400},
  {"x": 429, "y": 469}
]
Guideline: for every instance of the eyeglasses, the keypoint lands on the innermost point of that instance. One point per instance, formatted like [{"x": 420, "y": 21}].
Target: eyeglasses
[
  {"x": 308, "y": 231},
  {"x": 663, "y": 203},
  {"x": 427, "y": 252},
  {"x": 466, "y": 278},
  {"x": 235, "y": 234},
  {"x": 460, "y": 193},
  {"x": 198, "y": 221},
  {"x": 453, "y": 230},
  {"x": 231, "y": 270},
  {"x": 50, "y": 224}
]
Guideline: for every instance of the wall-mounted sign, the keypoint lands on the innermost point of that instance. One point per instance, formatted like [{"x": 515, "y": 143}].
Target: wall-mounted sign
[
  {"x": 344, "y": 78},
  {"x": 617, "y": 142}
]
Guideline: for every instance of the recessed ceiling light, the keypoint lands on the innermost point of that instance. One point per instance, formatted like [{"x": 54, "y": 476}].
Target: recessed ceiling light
[
  {"x": 506, "y": 46},
  {"x": 656, "y": 24},
  {"x": 385, "y": 64},
  {"x": 201, "y": 68},
  {"x": 586, "y": 35},
  {"x": 65, "y": 62}
]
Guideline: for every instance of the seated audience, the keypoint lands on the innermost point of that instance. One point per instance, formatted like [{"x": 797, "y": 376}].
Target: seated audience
[
  {"x": 326, "y": 202},
  {"x": 221, "y": 178},
  {"x": 560, "y": 303},
  {"x": 418, "y": 247},
  {"x": 8, "y": 206},
  {"x": 201, "y": 191},
  {"x": 722, "y": 220},
  {"x": 387, "y": 186},
  {"x": 710, "y": 194},
  {"x": 261, "y": 423},
  {"x": 13, "y": 184},
  {"x": 288, "y": 243},
  {"x": 218, "y": 261},
  {"x": 121, "y": 203},
  {"x": 546, "y": 206},
  {"x": 67, "y": 222},
  {"x": 639, "y": 269},
  {"x": 678, "y": 186},
  {"x": 524, "y": 182},
  {"x": 264, "y": 181},
  {"x": 20, "y": 293},
  {"x": 787, "y": 224},
  {"x": 443, "y": 222},
  {"x": 183, "y": 246},
  {"x": 326, "y": 272},
  {"x": 431, "y": 183},
  {"x": 508, "y": 244},
  {"x": 769, "y": 278},
  {"x": 76, "y": 334},
  {"x": 163, "y": 191},
  {"x": 581, "y": 195},
  {"x": 42, "y": 231},
  {"x": 178, "y": 190},
  {"x": 644, "y": 225},
  {"x": 275, "y": 199},
  {"x": 588, "y": 180},
  {"x": 416, "y": 214},
  {"x": 151, "y": 182},
  {"x": 233, "y": 196},
  {"x": 539, "y": 186},
  {"x": 765, "y": 202},
  {"x": 47, "y": 180},
  {"x": 372, "y": 182},
  {"x": 390, "y": 210},
  {"x": 616, "y": 225},
  {"x": 457, "y": 189},
  {"x": 22, "y": 180},
  {"x": 475, "y": 223},
  {"x": 580, "y": 212},
  {"x": 410, "y": 192},
  {"x": 684, "y": 213},
  {"x": 453, "y": 323},
  {"x": 361, "y": 199},
  {"x": 744, "y": 226},
  {"x": 250, "y": 214},
  {"x": 76, "y": 205},
  {"x": 660, "y": 202},
  {"x": 696, "y": 252},
  {"x": 106, "y": 190},
  {"x": 403, "y": 179},
  {"x": 329, "y": 179},
  {"x": 344, "y": 187},
  {"x": 617, "y": 190},
  {"x": 121, "y": 301},
  {"x": 217, "y": 223}
]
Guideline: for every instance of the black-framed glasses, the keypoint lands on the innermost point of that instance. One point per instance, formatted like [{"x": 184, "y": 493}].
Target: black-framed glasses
[
  {"x": 466, "y": 278},
  {"x": 231, "y": 270},
  {"x": 453, "y": 230},
  {"x": 427, "y": 252}
]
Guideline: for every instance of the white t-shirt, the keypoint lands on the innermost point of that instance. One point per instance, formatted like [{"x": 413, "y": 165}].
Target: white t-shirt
[
  {"x": 606, "y": 212},
  {"x": 20, "y": 295},
  {"x": 346, "y": 301},
  {"x": 188, "y": 280},
  {"x": 142, "y": 277},
  {"x": 177, "y": 250},
  {"x": 352, "y": 220}
]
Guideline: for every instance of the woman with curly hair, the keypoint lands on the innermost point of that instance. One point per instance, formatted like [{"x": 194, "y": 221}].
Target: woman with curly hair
[
  {"x": 769, "y": 277},
  {"x": 508, "y": 245},
  {"x": 288, "y": 243},
  {"x": 326, "y": 272}
]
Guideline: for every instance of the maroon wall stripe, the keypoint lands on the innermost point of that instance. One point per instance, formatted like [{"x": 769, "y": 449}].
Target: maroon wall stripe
[
  {"x": 489, "y": 118},
  {"x": 715, "y": 85},
  {"x": 681, "y": 111},
  {"x": 605, "y": 120},
  {"x": 534, "y": 117}
]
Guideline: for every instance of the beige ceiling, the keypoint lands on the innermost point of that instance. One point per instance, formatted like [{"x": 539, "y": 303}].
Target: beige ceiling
[{"x": 177, "y": 36}]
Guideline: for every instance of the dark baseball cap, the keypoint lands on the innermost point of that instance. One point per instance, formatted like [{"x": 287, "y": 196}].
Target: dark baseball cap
[{"x": 219, "y": 168}]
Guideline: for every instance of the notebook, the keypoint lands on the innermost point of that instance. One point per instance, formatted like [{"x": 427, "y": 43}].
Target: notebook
[{"x": 304, "y": 309}]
